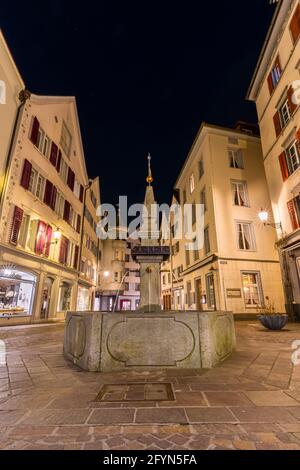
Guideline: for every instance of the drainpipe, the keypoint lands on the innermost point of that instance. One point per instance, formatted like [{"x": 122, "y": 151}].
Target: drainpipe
[{"x": 24, "y": 95}]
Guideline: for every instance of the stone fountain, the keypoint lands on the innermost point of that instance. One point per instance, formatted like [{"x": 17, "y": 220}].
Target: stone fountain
[{"x": 150, "y": 337}]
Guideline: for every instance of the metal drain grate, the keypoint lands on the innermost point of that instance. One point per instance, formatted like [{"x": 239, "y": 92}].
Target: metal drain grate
[{"x": 136, "y": 392}]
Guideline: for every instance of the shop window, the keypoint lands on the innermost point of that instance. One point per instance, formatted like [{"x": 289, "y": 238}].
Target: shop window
[
  {"x": 65, "y": 292},
  {"x": 16, "y": 291}
]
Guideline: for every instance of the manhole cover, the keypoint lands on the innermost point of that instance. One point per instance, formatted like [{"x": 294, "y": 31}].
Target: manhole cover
[{"x": 136, "y": 392}]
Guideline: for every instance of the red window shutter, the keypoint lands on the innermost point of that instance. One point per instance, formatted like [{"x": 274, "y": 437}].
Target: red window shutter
[
  {"x": 71, "y": 179},
  {"x": 53, "y": 198},
  {"x": 26, "y": 174},
  {"x": 270, "y": 83},
  {"x": 58, "y": 161},
  {"x": 67, "y": 211},
  {"x": 48, "y": 240},
  {"x": 277, "y": 124},
  {"x": 78, "y": 227},
  {"x": 290, "y": 94},
  {"x": 35, "y": 131},
  {"x": 48, "y": 193},
  {"x": 293, "y": 214},
  {"x": 81, "y": 193},
  {"x": 53, "y": 154},
  {"x": 63, "y": 252},
  {"x": 76, "y": 254},
  {"x": 295, "y": 24},
  {"x": 16, "y": 225},
  {"x": 283, "y": 166},
  {"x": 40, "y": 238}
]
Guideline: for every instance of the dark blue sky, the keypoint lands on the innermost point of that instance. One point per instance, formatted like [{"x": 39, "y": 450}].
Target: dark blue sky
[{"x": 145, "y": 75}]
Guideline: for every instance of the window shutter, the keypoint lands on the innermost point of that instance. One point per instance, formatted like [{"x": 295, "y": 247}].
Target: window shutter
[
  {"x": 48, "y": 240},
  {"x": 277, "y": 123},
  {"x": 293, "y": 215},
  {"x": 48, "y": 193},
  {"x": 53, "y": 154},
  {"x": 35, "y": 131},
  {"x": 53, "y": 198},
  {"x": 283, "y": 166},
  {"x": 78, "y": 223},
  {"x": 63, "y": 252},
  {"x": 67, "y": 211},
  {"x": 40, "y": 238},
  {"x": 270, "y": 83},
  {"x": 295, "y": 24},
  {"x": 71, "y": 179},
  {"x": 76, "y": 254},
  {"x": 58, "y": 161},
  {"x": 26, "y": 174},
  {"x": 290, "y": 93},
  {"x": 16, "y": 225},
  {"x": 81, "y": 193}
]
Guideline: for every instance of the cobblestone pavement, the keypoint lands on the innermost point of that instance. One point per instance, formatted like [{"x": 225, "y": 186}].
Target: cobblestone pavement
[{"x": 251, "y": 401}]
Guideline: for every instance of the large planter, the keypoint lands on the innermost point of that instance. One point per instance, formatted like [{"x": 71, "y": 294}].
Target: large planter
[{"x": 273, "y": 322}]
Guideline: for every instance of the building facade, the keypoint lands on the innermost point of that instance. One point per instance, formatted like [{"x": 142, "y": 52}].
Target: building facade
[
  {"x": 237, "y": 266},
  {"x": 90, "y": 252},
  {"x": 119, "y": 277},
  {"x": 43, "y": 212},
  {"x": 274, "y": 89},
  {"x": 11, "y": 86}
]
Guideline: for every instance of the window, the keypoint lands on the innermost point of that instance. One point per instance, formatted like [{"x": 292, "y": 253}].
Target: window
[
  {"x": 40, "y": 187},
  {"x": 295, "y": 25},
  {"x": 206, "y": 241},
  {"x": 66, "y": 139},
  {"x": 210, "y": 291},
  {"x": 196, "y": 252},
  {"x": 294, "y": 212},
  {"x": 32, "y": 181},
  {"x": 59, "y": 204},
  {"x": 293, "y": 159},
  {"x": 40, "y": 139},
  {"x": 275, "y": 75},
  {"x": 193, "y": 213},
  {"x": 285, "y": 113},
  {"x": 116, "y": 277},
  {"x": 192, "y": 184},
  {"x": 164, "y": 279},
  {"x": 24, "y": 230},
  {"x": 63, "y": 170},
  {"x": 187, "y": 257},
  {"x": 236, "y": 159},
  {"x": 239, "y": 193},
  {"x": 184, "y": 196},
  {"x": 203, "y": 198},
  {"x": 46, "y": 146},
  {"x": 201, "y": 168},
  {"x": 252, "y": 289},
  {"x": 245, "y": 236}
]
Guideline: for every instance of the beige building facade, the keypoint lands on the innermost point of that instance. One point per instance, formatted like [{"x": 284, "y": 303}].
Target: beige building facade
[
  {"x": 238, "y": 265},
  {"x": 42, "y": 213},
  {"x": 275, "y": 90},
  {"x": 11, "y": 85}
]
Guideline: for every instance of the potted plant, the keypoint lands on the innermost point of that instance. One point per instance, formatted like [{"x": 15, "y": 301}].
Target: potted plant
[{"x": 271, "y": 319}]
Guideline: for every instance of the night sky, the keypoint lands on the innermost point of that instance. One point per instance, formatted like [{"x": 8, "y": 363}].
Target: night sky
[{"x": 145, "y": 75}]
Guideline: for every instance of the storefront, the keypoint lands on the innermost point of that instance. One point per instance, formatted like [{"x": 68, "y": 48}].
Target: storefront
[
  {"x": 17, "y": 289},
  {"x": 64, "y": 297}
]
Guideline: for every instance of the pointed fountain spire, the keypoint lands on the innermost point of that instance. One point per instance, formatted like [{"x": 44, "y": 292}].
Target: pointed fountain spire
[{"x": 149, "y": 178}]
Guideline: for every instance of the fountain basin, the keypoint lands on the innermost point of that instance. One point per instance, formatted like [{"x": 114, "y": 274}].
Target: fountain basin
[{"x": 101, "y": 342}]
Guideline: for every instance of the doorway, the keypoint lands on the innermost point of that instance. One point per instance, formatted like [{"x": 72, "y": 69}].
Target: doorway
[
  {"x": 198, "y": 291},
  {"x": 46, "y": 296}
]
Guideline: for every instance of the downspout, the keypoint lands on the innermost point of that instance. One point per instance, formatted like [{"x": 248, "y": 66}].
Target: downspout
[{"x": 24, "y": 95}]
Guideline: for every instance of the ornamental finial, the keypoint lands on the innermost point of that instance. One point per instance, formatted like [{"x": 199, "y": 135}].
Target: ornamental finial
[{"x": 149, "y": 177}]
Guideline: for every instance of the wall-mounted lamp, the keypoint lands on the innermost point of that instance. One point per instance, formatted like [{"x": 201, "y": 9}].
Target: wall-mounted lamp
[{"x": 264, "y": 217}]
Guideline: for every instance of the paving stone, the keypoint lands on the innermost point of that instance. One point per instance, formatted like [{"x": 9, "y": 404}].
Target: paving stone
[
  {"x": 112, "y": 416},
  {"x": 161, "y": 415},
  {"x": 263, "y": 414},
  {"x": 209, "y": 415},
  {"x": 265, "y": 398},
  {"x": 227, "y": 399},
  {"x": 56, "y": 417}
]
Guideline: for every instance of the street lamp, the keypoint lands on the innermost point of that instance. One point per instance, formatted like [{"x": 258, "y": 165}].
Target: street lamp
[{"x": 264, "y": 217}]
